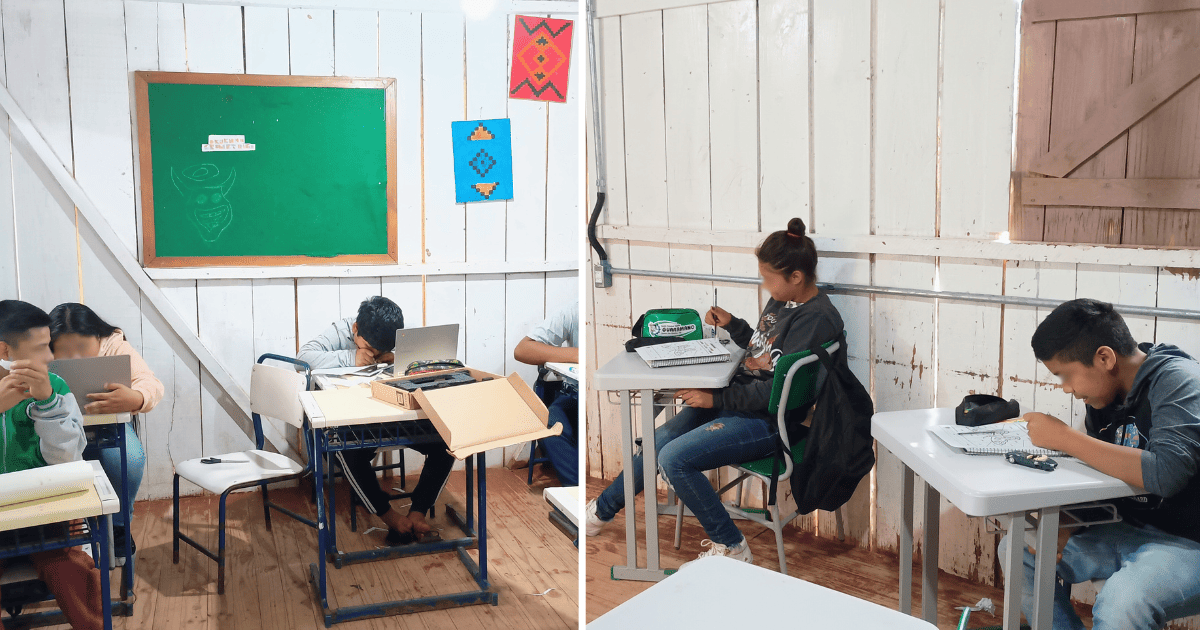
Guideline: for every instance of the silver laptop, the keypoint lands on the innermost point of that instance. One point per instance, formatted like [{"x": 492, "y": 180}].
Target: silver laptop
[
  {"x": 424, "y": 344},
  {"x": 90, "y": 375}
]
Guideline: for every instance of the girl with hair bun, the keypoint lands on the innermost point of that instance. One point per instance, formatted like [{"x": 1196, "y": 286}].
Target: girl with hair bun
[{"x": 731, "y": 425}]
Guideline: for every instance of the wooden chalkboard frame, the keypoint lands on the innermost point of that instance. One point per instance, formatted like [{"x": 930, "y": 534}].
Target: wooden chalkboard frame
[{"x": 142, "y": 80}]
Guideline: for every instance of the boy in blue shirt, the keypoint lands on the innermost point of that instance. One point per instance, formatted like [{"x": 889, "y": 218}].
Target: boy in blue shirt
[
  {"x": 1143, "y": 427},
  {"x": 40, "y": 425}
]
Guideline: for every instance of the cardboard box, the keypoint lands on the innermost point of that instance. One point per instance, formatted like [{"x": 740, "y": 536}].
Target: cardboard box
[
  {"x": 490, "y": 414},
  {"x": 405, "y": 400}
]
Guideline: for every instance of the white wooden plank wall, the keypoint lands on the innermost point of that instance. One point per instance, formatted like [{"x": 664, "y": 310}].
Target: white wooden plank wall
[
  {"x": 862, "y": 118},
  {"x": 69, "y": 66}
]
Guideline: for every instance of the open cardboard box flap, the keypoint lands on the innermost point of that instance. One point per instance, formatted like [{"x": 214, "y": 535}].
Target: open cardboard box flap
[{"x": 490, "y": 414}]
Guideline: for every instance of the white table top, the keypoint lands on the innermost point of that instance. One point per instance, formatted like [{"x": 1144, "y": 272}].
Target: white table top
[
  {"x": 986, "y": 485},
  {"x": 627, "y": 371},
  {"x": 721, "y": 593},
  {"x": 566, "y": 499},
  {"x": 345, "y": 407},
  {"x": 568, "y": 372}
]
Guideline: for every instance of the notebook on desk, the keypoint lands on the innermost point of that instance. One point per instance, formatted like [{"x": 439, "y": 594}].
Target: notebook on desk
[
  {"x": 991, "y": 439},
  {"x": 684, "y": 353}
]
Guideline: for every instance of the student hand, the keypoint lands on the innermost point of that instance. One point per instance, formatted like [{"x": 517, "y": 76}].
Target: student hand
[
  {"x": 702, "y": 398},
  {"x": 118, "y": 399},
  {"x": 386, "y": 357},
  {"x": 36, "y": 380},
  {"x": 11, "y": 392},
  {"x": 718, "y": 316},
  {"x": 364, "y": 357},
  {"x": 1046, "y": 431}
]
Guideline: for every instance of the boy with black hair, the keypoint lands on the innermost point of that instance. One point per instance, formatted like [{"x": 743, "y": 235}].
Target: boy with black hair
[
  {"x": 363, "y": 340},
  {"x": 41, "y": 425},
  {"x": 367, "y": 340},
  {"x": 1143, "y": 427}
]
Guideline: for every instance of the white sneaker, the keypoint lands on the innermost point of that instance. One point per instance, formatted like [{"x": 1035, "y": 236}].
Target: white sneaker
[
  {"x": 740, "y": 551},
  {"x": 593, "y": 523}
]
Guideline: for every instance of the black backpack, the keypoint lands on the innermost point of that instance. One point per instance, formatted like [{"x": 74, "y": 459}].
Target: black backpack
[{"x": 838, "y": 450}]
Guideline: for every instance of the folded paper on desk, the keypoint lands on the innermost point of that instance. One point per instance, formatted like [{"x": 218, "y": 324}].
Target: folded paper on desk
[
  {"x": 991, "y": 439},
  {"x": 485, "y": 415},
  {"x": 684, "y": 353},
  {"x": 32, "y": 497}
]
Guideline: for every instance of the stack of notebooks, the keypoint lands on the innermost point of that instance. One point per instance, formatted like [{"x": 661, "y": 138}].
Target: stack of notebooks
[
  {"x": 991, "y": 439},
  {"x": 684, "y": 353}
]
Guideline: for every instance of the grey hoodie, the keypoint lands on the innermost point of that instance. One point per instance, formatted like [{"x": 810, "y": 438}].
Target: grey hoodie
[
  {"x": 332, "y": 348},
  {"x": 1161, "y": 416}
]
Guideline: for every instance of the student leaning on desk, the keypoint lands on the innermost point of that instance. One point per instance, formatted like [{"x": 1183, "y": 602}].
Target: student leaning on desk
[
  {"x": 722, "y": 427},
  {"x": 76, "y": 331},
  {"x": 41, "y": 426},
  {"x": 1143, "y": 427},
  {"x": 557, "y": 340},
  {"x": 367, "y": 339}
]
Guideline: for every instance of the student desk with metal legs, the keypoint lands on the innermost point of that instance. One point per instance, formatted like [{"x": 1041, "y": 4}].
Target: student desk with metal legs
[
  {"x": 69, "y": 521},
  {"x": 628, "y": 373},
  {"x": 380, "y": 425},
  {"x": 108, "y": 431},
  {"x": 984, "y": 485}
]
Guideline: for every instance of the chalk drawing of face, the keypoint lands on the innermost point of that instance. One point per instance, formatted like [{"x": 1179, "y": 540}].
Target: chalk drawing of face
[{"x": 204, "y": 191}]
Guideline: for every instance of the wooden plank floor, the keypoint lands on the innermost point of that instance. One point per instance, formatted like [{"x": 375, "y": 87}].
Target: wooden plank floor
[
  {"x": 839, "y": 566},
  {"x": 267, "y": 571}
]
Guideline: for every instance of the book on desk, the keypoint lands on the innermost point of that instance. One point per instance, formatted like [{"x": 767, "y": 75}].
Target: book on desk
[
  {"x": 50, "y": 494},
  {"x": 684, "y": 353},
  {"x": 991, "y": 439}
]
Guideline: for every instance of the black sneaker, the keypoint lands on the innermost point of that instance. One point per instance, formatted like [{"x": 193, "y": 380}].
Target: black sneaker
[{"x": 396, "y": 538}]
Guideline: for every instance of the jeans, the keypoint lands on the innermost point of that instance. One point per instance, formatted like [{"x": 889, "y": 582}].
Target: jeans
[
  {"x": 1152, "y": 577},
  {"x": 563, "y": 450},
  {"x": 110, "y": 461},
  {"x": 694, "y": 441}
]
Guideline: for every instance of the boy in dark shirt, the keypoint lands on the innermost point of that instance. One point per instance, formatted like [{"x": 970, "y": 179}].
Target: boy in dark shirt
[{"x": 1143, "y": 427}]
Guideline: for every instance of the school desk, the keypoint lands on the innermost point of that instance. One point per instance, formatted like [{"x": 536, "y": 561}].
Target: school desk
[
  {"x": 350, "y": 419},
  {"x": 722, "y": 593},
  {"x": 108, "y": 431},
  {"x": 984, "y": 485},
  {"x": 30, "y": 529},
  {"x": 564, "y": 514},
  {"x": 627, "y": 373}
]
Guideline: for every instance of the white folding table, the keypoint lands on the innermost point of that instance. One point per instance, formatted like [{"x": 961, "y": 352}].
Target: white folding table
[
  {"x": 627, "y": 373},
  {"x": 983, "y": 485},
  {"x": 722, "y": 593}
]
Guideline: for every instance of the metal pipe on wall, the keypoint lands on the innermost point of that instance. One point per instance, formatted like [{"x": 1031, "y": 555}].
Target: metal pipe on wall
[{"x": 1145, "y": 311}]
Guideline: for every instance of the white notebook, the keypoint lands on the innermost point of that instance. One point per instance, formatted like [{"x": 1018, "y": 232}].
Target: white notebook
[
  {"x": 991, "y": 439},
  {"x": 684, "y": 353}
]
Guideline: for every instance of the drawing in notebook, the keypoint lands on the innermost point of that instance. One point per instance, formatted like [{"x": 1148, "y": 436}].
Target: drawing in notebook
[
  {"x": 684, "y": 353},
  {"x": 990, "y": 439}
]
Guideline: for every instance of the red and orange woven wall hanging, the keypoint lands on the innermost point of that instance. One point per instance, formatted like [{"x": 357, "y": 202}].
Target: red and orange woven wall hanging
[{"x": 541, "y": 59}]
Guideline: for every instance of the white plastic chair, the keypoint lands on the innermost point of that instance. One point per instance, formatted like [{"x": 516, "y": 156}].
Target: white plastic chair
[{"x": 274, "y": 392}]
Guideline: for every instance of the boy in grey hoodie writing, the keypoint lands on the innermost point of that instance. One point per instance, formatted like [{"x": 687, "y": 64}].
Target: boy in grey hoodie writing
[{"x": 1143, "y": 427}]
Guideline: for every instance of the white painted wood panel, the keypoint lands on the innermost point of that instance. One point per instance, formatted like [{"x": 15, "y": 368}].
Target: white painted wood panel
[
  {"x": 841, "y": 104},
  {"x": 318, "y": 304},
  {"x": 686, "y": 106},
  {"x": 214, "y": 38},
  {"x": 905, "y": 106},
  {"x": 487, "y": 46},
  {"x": 524, "y": 308},
  {"x": 173, "y": 430},
  {"x": 783, "y": 69},
  {"x": 172, "y": 49},
  {"x": 35, "y": 59},
  {"x": 400, "y": 58},
  {"x": 267, "y": 49},
  {"x": 310, "y": 36},
  {"x": 563, "y": 214},
  {"x": 8, "y": 236},
  {"x": 976, "y": 115},
  {"x": 526, "y": 221},
  {"x": 223, "y": 309},
  {"x": 444, "y": 101},
  {"x": 356, "y": 48}
]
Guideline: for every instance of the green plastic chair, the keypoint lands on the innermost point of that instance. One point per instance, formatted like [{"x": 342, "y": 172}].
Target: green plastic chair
[{"x": 794, "y": 386}]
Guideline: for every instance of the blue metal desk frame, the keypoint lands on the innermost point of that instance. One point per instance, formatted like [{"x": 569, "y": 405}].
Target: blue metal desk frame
[
  {"x": 108, "y": 436},
  {"x": 390, "y": 435},
  {"x": 92, "y": 530}
]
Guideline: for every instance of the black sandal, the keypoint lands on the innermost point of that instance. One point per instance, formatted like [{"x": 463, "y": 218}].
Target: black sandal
[{"x": 395, "y": 538}]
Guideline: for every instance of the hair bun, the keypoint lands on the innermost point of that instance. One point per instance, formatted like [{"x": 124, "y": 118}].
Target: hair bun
[{"x": 796, "y": 227}]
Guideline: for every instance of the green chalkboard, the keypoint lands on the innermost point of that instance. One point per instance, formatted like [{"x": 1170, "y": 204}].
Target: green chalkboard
[{"x": 266, "y": 170}]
